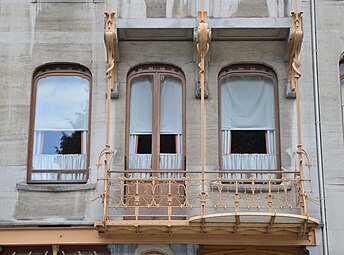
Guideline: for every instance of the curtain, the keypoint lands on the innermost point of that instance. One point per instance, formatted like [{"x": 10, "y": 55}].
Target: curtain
[
  {"x": 141, "y": 96},
  {"x": 59, "y": 161},
  {"x": 171, "y": 105},
  {"x": 247, "y": 103},
  {"x": 171, "y": 122},
  {"x": 141, "y": 105}
]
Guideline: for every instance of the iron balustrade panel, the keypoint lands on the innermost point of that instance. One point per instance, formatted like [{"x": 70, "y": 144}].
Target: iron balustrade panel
[{"x": 176, "y": 195}]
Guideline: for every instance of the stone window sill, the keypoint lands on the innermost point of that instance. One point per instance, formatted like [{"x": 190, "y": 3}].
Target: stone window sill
[{"x": 23, "y": 186}]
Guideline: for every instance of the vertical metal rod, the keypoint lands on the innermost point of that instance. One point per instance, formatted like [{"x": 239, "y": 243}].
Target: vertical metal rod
[
  {"x": 299, "y": 146},
  {"x": 202, "y": 124},
  {"x": 107, "y": 152}
]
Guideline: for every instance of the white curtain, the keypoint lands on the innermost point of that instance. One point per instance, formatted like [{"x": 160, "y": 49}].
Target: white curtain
[
  {"x": 247, "y": 103},
  {"x": 171, "y": 103},
  {"x": 171, "y": 122},
  {"x": 59, "y": 161},
  {"x": 62, "y": 105},
  {"x": 141, "y": 96},
  {"x": 141, "y": 105}
]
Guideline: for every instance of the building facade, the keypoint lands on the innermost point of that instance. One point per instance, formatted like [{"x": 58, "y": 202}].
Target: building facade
[{"x": 171, "y": 127}]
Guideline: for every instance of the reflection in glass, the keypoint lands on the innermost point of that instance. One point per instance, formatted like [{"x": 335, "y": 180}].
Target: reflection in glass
[{"x": 61, "y": 126}]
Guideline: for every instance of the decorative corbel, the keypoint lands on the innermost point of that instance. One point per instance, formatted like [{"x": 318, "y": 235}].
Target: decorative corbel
[
  {"x": 110, "y": 43},
  {"x": 202, "y": 49},
  {"x": 294, "y": 53}
]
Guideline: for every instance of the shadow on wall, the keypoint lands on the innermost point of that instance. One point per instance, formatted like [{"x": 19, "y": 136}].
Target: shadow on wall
[
  {"x": 249, "y": 8},
  {"x": 157, "y": 8},
  {"x": 187, "y": 8}
]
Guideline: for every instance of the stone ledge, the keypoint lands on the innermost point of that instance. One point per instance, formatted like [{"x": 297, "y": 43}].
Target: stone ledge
[{"x": 23, "y": 186}]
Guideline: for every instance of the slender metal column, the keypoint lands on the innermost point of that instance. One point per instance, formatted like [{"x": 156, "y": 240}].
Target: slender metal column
[
  {"x": 111, "y": 74},
  {"x": 294, "y": 75},
  {"x": 202, "y": 48}
]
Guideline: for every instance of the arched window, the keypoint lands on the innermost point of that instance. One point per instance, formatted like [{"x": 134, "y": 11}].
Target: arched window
[
  {"x": 60, "y": 124},
  {"x": 248, "y": 118},
  {"x": 155, "y": 119}
]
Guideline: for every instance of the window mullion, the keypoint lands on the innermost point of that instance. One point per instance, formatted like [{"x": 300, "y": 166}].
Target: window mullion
[{"x": 156, "y": 122}]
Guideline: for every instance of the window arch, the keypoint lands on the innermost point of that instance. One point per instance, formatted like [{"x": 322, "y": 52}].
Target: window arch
[
  {"x": 155, "y": 119},
  {"x": 60, "y": 124},
  {"x": 248, "y": 121}
]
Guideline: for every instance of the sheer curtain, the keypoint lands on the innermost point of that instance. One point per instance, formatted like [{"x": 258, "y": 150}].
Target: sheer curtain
[
  {"x": 62, "y": 104},
  {"x": 247, "y": 103},
  {"x": 141, "y": 96},
  {"x": 171, "y": 122}
]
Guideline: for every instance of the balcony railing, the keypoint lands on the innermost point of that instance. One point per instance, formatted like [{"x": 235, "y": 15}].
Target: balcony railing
[
  {"x": 255, "y": 201},
  {"x": 183, "y": 205},
  {"x": 170, "y": 195}
]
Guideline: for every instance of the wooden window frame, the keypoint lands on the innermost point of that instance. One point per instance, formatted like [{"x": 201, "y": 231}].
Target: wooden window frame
[
  {"x": 58, "y": 69},
  {"x": 239, "y": 70},
  {"x": 156, "y": 71}
]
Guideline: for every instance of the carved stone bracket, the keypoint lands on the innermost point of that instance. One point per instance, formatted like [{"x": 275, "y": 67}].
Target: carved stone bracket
[{"x": 110, "y": 43}]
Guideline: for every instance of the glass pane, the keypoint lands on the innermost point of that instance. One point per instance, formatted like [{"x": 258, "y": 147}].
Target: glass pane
[
  {"x": 62, "y": 103},
  {"x": 168, "y": 144},
  {"x": 144, "y": 144},
  {"x": 171, "y": 105},
  {"x": 248, "y": 141},
  {"x": 141, "y": 105},
  {"x": 247, "y": 103},
  {"x": 56, "y": 142}
]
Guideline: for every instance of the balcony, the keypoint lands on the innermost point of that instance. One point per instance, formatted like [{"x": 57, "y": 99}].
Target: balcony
[{"x": 226, "y": 205}]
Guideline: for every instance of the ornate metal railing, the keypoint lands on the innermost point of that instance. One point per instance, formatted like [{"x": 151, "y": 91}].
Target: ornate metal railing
[{"x": 173, "y": 195}]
